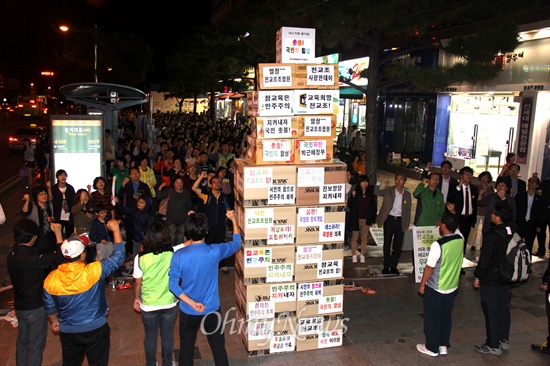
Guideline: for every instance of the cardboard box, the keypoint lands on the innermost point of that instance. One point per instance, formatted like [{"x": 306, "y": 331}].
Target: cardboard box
[
  {"x": 267, "y": 336},
  {"x": 266, "y": 225},
  {"x": 319, "y": 262},
  {"x": 316, "y": 101},
  {"x": 318, "y": 332},
  {"x": 315, "y": 126},
  {"x": 261, "y": 301},
  {"x": 295, "y": 45},
  {"x": 320, "y": 224},
  {"x": 286, "y": 127},
  {"x": 316, "y": 76},
  {"x": 276, "y": 127},
  {"x": 275, "y": 76},
  {"x": 320, "y": 298},
  {"x": 271, "y": 264},
  {"x": 313, "y": 150},
  {"x": 321, "y": 183},
  {"x": 264, "y": 185},
  {"x": 271, "y": 151},
  {"x": 272, "y": 103}
]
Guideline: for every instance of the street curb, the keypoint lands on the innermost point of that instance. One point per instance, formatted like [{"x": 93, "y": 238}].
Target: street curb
[{"x": 10, "y": 183}]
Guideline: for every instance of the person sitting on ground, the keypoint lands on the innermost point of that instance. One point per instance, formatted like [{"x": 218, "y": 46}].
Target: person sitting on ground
[
  {"x": 82, "y": 212},
  {"x": 99, "y": 234}
]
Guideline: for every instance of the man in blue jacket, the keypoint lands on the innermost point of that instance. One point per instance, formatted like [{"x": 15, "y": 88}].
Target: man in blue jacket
[
  {"x": 193, "y": 278},
  {"x": 74, "y": 299}
]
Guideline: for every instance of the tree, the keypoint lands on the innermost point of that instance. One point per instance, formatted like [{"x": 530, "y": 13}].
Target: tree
[
  {"x": 368, "y": 27},
  {"x": 122, "y": 59},
  {"x": 372, "y": 26},
  {"x": 204, "y": 62}
]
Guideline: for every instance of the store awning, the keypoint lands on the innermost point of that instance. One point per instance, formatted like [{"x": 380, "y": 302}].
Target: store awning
[{"x": 348, "y": 92}]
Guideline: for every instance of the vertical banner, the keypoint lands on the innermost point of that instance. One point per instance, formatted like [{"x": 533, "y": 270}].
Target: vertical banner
[
  {"x": 423, "y": 237},
  {"x": 525, "y": 121}
]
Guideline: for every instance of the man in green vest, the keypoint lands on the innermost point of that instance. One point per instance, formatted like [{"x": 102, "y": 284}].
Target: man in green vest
[{"x": 439, "y": 286}]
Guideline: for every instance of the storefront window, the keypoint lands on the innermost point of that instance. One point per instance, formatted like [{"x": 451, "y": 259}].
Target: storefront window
[{"x": 482, "y": 128}]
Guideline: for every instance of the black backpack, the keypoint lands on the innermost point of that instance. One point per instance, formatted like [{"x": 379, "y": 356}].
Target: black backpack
[{"x": 515, "y": 265}]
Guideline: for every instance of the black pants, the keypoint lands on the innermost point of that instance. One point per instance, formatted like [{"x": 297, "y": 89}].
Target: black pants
[
  {"x": 393, "y": 241},
  {"x": 212, "y": 326},
  {"x": 528, "y": 231},
  {"x": 465, "y": 224},
  {"x": 494, "y": 303},
  {"x": 67, "y": 228},
  {"x": 95, "y": 344},
  {"x": 541, "y": 236}
]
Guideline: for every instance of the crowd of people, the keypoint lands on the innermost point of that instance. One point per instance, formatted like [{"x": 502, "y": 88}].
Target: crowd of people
[{"x": 174, "y": 194}]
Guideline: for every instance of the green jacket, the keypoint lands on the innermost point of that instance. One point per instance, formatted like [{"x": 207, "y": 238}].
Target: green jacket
[{"x": 430, "y": 205}]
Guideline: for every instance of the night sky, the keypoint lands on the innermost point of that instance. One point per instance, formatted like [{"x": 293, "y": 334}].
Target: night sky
[{"x": 29, "y": 28}]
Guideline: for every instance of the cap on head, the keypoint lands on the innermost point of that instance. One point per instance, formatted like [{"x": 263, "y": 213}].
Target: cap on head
[{"x": 74, "y": 246}]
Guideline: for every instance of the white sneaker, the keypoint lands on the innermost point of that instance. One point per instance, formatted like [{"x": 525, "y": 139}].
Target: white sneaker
[
  {"x": 353, "y": 259},
  {"x": 362, "y": 258},
  {"x": 422, "y": 349},
  {"x": 442, "y": 350}
]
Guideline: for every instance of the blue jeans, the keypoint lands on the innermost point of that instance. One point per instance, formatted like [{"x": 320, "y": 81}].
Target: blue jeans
[
  {"x": 165, "y": 320},
  {"x": 31, "y": 336}
]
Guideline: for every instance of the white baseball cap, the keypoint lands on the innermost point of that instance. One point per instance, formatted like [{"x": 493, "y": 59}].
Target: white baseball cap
[{"x": 74, "y": 246}]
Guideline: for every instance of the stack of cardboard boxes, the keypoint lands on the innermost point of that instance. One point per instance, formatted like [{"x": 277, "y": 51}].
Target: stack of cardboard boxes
[{"x": 290, "y": 198}]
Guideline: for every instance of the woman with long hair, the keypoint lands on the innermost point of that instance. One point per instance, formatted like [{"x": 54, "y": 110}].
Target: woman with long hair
[
  {"x": 41, "y": 212},
  {"x": 101, "y": 196},
  {"x": 362, "y": 214},
  {"x": 81, "y": 211}
]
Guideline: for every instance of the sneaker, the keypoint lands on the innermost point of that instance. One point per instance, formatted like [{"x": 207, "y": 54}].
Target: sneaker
[
  {"x": 422, "y": 349},
  {"x": 486, "y": 349},
  {"x": 504, "y": 344},
  {"x": 224, "y": 270},
  {"x": 362, "y": 258},
  {"x": 442, "y": 350},
  {"x": 386, "y": 270},
  {"x": 353, "y": 259},
  {"x": 543, "y": 348}
]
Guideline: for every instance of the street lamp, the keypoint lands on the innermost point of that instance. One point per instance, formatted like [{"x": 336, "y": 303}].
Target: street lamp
[{"x": 65, "y": 28}]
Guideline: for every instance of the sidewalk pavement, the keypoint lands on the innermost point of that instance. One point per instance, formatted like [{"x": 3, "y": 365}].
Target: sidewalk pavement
[{"x": 382, "y": 328}]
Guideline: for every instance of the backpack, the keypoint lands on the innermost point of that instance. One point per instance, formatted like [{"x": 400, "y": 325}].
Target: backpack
[{"x": 515, "y": 266}]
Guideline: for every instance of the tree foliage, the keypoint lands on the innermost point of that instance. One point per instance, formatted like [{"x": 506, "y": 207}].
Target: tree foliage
[
  {"x": 381, "y": 29},
  {"x": 121, "y": 59},
  {"x": 205, "y": 61}
]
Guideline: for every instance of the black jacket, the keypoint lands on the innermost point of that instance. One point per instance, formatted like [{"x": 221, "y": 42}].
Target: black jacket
[
  {"x": 492, "y": 251},
  {"x": 353, "y": 206},
  {"x": 536, "y": 214},
  {"x": 28, "y": 267},
  {"x": 57, "y": 200}
]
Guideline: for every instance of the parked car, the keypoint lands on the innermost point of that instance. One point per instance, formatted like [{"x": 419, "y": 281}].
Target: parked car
[
  {"x": 6, "y": 107},
  {"x": 32, "y": 132}
]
